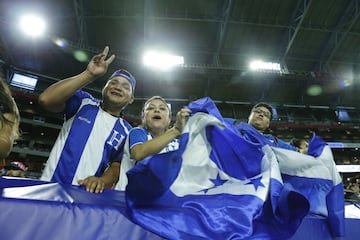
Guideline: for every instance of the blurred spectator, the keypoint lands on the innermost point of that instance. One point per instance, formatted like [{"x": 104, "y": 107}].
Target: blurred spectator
[
  {"x": 301, "y": 144},
  {"x": 260, "y": 118},
  {"x": 354, "y": 187},
  {"x": 15, "y": 169}
]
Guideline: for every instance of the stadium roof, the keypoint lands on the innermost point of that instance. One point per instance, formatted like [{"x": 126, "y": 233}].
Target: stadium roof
[{"x": 316, "y": 42}]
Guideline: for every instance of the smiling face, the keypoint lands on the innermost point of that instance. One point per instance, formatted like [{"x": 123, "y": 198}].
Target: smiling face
[
  {"x": 156, "y": 115},
  {"x": 117, "y": 94},
  {"x": 260, "y": 118}
]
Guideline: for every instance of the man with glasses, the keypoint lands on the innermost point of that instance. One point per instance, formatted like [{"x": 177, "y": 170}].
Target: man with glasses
[
  {"x": 89, "y": 147},
  {"x": 260, "y": 118}
]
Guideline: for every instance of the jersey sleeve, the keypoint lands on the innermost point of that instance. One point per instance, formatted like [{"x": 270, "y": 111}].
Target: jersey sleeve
[
  {"x": 136, "y": 136},
  {"x": 74, "y": 102}
]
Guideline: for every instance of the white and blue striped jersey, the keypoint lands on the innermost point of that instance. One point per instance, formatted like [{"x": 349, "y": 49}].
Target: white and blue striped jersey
[
  {"x": 136, "y": 136},
  {"x": 89, "y": 140}
]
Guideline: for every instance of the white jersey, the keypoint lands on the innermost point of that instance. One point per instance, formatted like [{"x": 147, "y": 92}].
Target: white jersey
[
  {"x": 89, "y": 140},
  {"x": 136, "y": 136}
]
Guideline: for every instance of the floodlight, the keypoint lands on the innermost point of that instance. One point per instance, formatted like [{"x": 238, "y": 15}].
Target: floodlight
[
  {"x": 261, "y": 65},
  {"x": 32, "y": 25},
  {"x": 161, "y": 60},
  {"x": 23, "y": 81}
]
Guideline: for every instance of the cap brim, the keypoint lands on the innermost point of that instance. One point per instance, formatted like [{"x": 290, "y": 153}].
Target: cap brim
[{"x": 12, "y": 168}]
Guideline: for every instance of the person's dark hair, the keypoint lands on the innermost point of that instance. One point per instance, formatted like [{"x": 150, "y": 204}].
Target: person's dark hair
[
  {"x": 296, "y": 142},
  {"x": 265, "y": 105}
]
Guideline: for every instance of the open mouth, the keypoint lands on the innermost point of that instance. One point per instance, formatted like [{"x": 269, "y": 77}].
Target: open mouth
[
  {"x": 157, "y": 117},
  {"x": 115, "y": 93}
]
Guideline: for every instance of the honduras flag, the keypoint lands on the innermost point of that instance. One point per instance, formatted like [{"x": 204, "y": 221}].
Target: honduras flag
[
  {"x": 220, "y": 185},
  {"x": 315, "y": 176}
]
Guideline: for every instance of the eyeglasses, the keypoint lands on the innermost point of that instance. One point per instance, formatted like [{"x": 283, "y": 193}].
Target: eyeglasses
[{"x": 259, "y": 111}]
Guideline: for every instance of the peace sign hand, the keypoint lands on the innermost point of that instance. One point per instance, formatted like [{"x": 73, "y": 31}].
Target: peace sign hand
[{"x": 99, "y": 64}]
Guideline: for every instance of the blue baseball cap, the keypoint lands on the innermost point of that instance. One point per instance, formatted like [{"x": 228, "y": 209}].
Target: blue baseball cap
[{"x": 125, "y": 74}]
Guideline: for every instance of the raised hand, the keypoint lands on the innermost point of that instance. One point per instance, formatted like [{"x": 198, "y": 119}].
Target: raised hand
[
  {"x": 181, "y": 118},
  {"x": 99, "y": 64}
]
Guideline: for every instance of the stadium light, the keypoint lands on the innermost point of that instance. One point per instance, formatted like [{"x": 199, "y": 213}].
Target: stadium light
[
  {"x": 163, "y": 61},
  {"x": 261, "y": 65},
  {"x": 33, "y": 26}
]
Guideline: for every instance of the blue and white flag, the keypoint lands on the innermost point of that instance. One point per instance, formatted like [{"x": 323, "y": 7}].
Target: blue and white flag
[
  {"x": 315, "y": 176},
  {"x": 218, "y": 185}
]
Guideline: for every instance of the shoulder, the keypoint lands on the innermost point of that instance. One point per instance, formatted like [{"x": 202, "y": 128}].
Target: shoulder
[
  {"x": 138, "y": 134},
  {"x": 126, "y": 124},
  {"x": 82, "y": 97},
  {"x": 83, "y": 94},
  {"x": 138, "y": 130},
  {"x": 243, "y": 126}
]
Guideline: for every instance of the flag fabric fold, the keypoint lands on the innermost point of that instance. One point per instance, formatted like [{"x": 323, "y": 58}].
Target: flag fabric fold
[
  {"x": 222, "y": 185},
  {"x": 316, "y": 178}
]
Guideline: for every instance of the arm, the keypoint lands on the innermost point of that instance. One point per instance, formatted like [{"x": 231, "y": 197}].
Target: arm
[
  {"x": 98, "y": 184},
  {"x": 54, "y": 97},
  {"x": 155, "y": 145}
]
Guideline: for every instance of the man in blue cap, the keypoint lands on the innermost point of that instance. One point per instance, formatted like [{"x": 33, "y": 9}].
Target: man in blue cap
[{"x": 89, "y": 147}]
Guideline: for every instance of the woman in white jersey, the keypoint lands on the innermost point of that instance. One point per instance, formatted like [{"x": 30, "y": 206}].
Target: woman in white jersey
[{"x": 153, "y": 137}]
